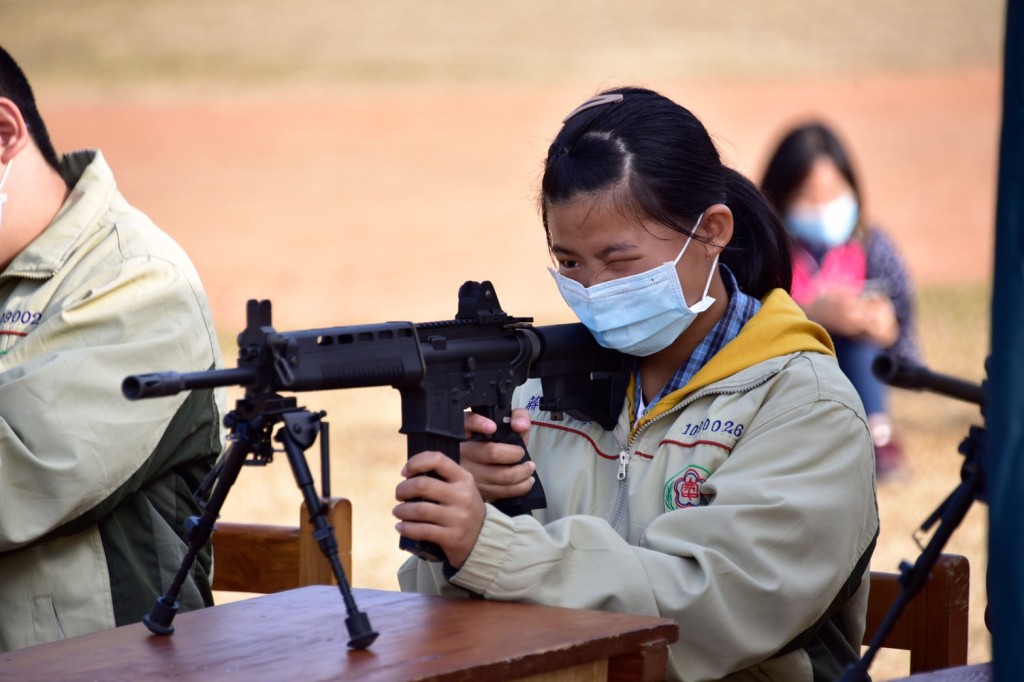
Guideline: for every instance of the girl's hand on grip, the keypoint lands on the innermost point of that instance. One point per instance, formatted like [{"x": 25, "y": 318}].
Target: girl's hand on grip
[{"x": 497, "y": 468}]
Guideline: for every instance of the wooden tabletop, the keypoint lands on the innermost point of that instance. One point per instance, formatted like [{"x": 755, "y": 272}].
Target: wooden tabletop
[{"x": 301, "y": 634}]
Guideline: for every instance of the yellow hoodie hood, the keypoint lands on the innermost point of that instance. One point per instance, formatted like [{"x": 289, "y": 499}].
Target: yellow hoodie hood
[{"x": 778, "y": 328}]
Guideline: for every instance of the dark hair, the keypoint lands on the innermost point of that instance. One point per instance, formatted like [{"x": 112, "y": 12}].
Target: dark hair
[
  {"x": 14, "y": 86},
  {"x": 659, "y": 162},
  {"x": 794, "y": 156}
]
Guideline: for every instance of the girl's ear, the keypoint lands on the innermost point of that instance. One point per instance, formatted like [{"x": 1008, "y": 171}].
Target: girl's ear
[{"x": 717, "y": 228}]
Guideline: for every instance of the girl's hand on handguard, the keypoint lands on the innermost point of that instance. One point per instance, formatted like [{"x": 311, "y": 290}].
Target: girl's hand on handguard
[
  {"x": 496, "y": 467},
  {"x": 447, "y": 511}
]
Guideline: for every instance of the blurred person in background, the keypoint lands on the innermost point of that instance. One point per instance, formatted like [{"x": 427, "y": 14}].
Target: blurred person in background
[
  {"x": 736, "y": 493},
  {"x": 94, "y": 489},
  {"x": 848, "y": 274}
]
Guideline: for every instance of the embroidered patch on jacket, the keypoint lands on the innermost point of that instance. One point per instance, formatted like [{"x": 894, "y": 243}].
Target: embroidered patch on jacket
[{"x": 684, "y": 489}]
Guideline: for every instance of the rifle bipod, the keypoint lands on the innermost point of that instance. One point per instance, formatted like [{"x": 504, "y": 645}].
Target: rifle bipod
[{"x": 251, "y": 423}]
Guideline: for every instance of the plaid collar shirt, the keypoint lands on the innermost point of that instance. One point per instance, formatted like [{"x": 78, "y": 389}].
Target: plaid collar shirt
[{"x": 741, "y": 308}]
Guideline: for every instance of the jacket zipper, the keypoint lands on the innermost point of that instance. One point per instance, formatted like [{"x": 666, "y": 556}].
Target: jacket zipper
[{"x": 623, "y": 464}]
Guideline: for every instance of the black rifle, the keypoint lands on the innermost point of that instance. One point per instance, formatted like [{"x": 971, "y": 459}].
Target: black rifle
[{"x": 440, "y": 369}]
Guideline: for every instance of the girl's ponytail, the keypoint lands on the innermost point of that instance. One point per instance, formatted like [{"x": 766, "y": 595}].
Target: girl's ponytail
[{"x": 759, "y": 253}]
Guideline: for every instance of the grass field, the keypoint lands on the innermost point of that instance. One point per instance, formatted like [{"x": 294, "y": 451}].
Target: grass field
[{"x": 104, "y": 44}]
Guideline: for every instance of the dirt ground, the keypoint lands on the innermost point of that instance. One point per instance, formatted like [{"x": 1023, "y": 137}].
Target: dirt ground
[{"x": 367, "y": 204}]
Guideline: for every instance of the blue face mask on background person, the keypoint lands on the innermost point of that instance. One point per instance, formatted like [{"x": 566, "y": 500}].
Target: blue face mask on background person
[
  {"x": 828, "y": 225},
  {"x": 640, "y": 314}
]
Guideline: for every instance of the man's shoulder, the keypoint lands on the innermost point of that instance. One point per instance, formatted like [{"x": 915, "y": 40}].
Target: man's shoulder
[
  {"x": 96, "y": 211},
  {"x": 138, "y": 235}
]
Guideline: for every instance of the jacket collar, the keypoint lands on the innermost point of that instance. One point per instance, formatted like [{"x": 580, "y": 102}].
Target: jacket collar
[
  {"x": 778, "y": 329},
  {"x": 93, "y": 187}
]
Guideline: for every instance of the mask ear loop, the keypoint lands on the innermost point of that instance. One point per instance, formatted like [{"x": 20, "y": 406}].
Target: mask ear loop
[
  {"x": 711, "y": 276},
  {"x": 689, "y": 238},
  {"x": 704, "y": 303},
  {"x": 3, "y": 195}
]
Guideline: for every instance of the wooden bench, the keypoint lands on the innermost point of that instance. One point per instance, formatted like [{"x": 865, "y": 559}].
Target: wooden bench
[
  {"x": 933, "y": 626},
  {"x": 264, "y": 559}
]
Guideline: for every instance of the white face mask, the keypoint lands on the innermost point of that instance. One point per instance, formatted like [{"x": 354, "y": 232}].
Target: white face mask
[
  {"x": 640, "y": 314},
  {"x": 3, "y": 195}
]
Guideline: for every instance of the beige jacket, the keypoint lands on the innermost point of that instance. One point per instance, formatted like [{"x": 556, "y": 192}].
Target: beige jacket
[{"x": 94, "y": 489}]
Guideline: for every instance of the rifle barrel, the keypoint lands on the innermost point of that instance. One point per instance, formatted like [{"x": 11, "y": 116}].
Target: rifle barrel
[{"x": 158, "y": 384}]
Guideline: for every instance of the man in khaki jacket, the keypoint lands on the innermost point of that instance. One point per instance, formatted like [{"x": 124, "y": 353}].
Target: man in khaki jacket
[{"x": 94, "y": 489}]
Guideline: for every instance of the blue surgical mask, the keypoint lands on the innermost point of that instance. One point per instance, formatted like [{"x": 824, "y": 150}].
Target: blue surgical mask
[
  {"x": 828, "y": 225},
  {"x": 640, "y": 314}
]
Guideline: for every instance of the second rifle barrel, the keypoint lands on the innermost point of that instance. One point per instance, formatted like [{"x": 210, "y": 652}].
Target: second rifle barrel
[{"x": 903, "y": 374}]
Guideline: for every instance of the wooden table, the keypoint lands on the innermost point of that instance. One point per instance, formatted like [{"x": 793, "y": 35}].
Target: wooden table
[{"x": 301, "y": 634}]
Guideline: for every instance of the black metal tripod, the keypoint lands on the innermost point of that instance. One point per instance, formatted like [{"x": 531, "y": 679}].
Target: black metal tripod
[
  {"x": 252, "y": 423},
  {"x": 948, "y": 514}
]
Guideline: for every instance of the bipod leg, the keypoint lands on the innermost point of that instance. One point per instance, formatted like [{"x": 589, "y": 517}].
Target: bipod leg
[
  {"x": 159, "y": 619},
  {"x": 301, "y": 428}
]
